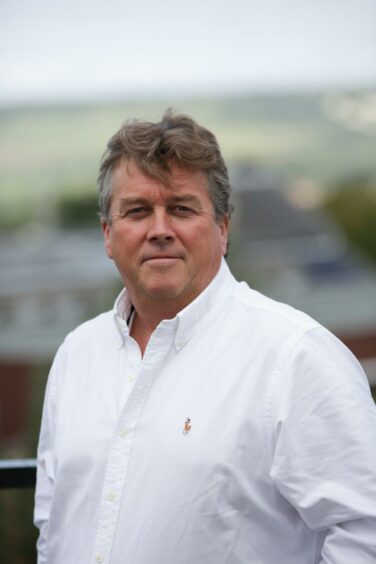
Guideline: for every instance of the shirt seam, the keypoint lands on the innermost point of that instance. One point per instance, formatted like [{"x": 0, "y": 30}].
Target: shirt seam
[
  {"x": 304, "y": 323},
  {"x": 281, "y": 363}
]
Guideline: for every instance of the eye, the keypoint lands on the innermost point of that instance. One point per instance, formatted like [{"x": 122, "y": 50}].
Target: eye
[
  {"x": 182, "y": 211},
  {"x": 136, "y": 212}
]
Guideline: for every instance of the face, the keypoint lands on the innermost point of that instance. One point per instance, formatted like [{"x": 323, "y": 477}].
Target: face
[{"x": 165, "y": 240}]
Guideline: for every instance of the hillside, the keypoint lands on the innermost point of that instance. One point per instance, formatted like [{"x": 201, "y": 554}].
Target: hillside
[{"x": 49, "y": 150}]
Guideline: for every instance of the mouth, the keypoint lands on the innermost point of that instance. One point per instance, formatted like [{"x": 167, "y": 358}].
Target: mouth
[{"x": 161, "y": 258}]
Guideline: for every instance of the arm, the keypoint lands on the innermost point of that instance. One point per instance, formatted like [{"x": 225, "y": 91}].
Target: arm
[
  {"x": 324, "y": 464},
  {"x": 45, "y": 462}
]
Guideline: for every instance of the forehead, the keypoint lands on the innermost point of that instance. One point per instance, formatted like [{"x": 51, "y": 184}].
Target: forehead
[{"x": 128, "y": 178}]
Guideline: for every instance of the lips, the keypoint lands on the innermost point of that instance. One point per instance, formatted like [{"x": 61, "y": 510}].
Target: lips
[{"x": 160, "y": 257}]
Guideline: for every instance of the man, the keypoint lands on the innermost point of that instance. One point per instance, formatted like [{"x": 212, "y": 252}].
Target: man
[{"x": 199, "y": 422}]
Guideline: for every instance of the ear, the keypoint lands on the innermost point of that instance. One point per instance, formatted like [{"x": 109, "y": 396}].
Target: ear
[
  {"x": 106, "y": 228},
  {"x": 223, "y": 226}
]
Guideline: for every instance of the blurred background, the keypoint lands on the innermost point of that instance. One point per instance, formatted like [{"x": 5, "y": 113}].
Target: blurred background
[{"x": 289, "y": 89}]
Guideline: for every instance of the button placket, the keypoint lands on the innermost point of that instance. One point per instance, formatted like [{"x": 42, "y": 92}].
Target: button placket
[
  {"x": 121, "y": 443},
  {"x": 117, "y": 464},
  {"x": 133, "y": 365}
]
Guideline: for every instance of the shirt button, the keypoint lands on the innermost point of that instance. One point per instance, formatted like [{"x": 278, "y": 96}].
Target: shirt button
[
  {"x": 124, "y": 434},
  {"x": 99, "y": 559},
  {"x": 131, "y": 378},
  {"x": 111, "y": 496}
]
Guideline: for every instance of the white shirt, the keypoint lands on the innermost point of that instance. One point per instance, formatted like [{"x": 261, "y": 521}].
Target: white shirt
[{"x": 277, "y": 467}]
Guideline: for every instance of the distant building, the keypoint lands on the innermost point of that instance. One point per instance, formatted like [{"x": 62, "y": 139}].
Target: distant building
[{"x": 50, "y": 282}]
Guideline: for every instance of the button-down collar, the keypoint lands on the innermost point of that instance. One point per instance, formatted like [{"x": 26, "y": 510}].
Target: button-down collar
[{"x": 186, "y": 321}]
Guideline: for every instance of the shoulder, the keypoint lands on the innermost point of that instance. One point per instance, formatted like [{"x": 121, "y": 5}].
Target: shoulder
[
  {"x": 254, "y": 307},
  {"x": 307, "y": 354},
  {"x": 100, "y": 328},
  {"x": 306, "y": 342},
  {"x": 83, "y": 348}
]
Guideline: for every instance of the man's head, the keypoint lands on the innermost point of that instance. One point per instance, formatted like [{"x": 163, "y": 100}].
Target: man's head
[
  {"x": 154, "y": 147},
  {"x": 164, "y": 210}
]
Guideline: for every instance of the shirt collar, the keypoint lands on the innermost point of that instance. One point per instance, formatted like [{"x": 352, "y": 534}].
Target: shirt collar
[
  {"x": 122, "y": 310},
  {"x": 186, "y": 321},
  {"x": 213, "y": 295}
]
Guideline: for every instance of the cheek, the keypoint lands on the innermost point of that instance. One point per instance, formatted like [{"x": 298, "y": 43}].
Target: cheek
[
  {"x": 207, "y": 244},
  {"x": 126, "y": 240}
]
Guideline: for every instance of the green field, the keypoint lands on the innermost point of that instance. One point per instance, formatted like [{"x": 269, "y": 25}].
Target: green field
[{"x": 50, "y": 150}]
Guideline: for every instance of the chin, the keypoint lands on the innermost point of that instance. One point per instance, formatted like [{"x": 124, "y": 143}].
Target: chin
[
  {"x": 164, "y": 292},
  {"x": 163, "y": 283}
]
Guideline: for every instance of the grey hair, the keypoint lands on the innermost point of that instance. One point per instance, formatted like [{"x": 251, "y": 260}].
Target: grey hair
[{"x": 154, "y": 147}]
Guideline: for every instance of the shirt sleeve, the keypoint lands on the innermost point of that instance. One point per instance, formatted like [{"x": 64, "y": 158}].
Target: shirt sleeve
[
  {"x": 45, "y": 460},
  {"x": 324, "y": 463}
]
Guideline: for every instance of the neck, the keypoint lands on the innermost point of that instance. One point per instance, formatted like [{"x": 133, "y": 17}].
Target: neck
[
  {"x": 150, "y": 311},
  {"x": 146, "y": 320}
]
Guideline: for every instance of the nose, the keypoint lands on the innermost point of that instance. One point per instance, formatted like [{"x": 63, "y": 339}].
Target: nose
[{"x": 159, "y": 228}]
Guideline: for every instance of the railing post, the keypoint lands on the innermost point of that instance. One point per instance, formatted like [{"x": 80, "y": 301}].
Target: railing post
[{"x": 18, "y": 473}]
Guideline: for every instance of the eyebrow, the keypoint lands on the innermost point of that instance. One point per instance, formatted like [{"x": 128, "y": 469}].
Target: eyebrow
[
  {"x": 185, "y": 199},
  {"x": 178, "y": 199},
  {"x": 124, "y": 202}
]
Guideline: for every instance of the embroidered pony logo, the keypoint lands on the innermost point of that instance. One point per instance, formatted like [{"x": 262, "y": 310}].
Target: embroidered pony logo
[{"x": 187, "y": 426}]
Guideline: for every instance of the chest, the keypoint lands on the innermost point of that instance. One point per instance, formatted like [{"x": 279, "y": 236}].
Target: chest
[{"x": 186, "y": 411}]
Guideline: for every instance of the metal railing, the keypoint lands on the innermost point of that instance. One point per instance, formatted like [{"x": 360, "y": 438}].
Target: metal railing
[{"x": 18, "y": 473}]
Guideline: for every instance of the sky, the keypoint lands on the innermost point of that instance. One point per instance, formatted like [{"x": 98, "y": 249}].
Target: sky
[{"x": 101, "y": 49}]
